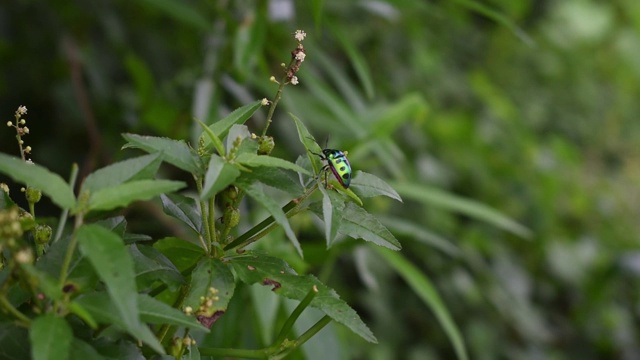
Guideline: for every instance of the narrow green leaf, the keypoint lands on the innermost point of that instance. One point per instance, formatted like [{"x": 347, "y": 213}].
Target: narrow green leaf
[
  {"x": 175, "y": 152},
  {"x": 253, "y": 267},
  {"x": 238, "y": 116},
  {"x": 255, "y": 191},
  {"x": 220, "y": 174},
  {"x": 50, "y": 337},
  {"x": 265, "y": 160},
  {"x": 497, "y": 17},
  {"x": 423, "y": 287},
  {"x": 434, "y": 197},
  {"x": 418, "y": 232},
  {"x": 184, "y": 209},
  {"x": 113, "y": 264},
  {"x": 359, "y": 224},
  {"x": 368, "y": 185},
  {"x": 357, "y": 61},
  {"x": 126, "y": 193},
  {"x": 38, "y": 177},
  {"x": 139, "y": 168},
  {"x": 309, "y": 143},
  {"x": 156, "y": 312},
  {"x": 183, "y": 12},
  {"x": 211, "y": 273},
  {"x": 217, "y": 143},
  {"x": 332, "y": 210}
]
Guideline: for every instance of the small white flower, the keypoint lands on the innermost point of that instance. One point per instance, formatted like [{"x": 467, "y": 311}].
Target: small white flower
[
  {"x": 300, "y": 56},
  {"x": 300, "y": 35},
  {"x": 264, "y": 102},
  {"x": 294, "y": 80},
  {"x": 22, "y": 109},
  {"x": 24, "y": 257}
]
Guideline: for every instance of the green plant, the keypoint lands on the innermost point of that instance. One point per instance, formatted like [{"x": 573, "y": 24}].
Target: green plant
[{"x": 93, "y": 285}]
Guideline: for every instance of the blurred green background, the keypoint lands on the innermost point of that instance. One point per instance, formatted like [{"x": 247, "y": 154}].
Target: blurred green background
[{"x": 525, "y": 107}]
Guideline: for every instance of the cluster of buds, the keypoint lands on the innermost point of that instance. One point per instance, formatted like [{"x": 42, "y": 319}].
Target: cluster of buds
[
  {"x": 297, "y": 57},
  {"x": 21, "y": 129}
]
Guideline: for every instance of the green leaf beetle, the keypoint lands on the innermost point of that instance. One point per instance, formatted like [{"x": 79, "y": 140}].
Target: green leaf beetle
[{"x": 339, "y": 165}]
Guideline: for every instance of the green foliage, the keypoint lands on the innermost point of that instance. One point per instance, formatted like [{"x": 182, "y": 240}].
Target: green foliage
[{"x": 469, "y": 126}]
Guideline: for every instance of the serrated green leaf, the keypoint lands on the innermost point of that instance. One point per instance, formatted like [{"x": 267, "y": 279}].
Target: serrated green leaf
[
  {"x": 220, "y": 174},
  {"x": 238, "y": 116},
  {"x": 211, "y": 273},
  {"x": 38, "y": 177},
  {"x": 268, "y": 161},
  {"x": 434, "y": 197},
  {"x": 359, "y": 224},
  {"x": 50, "y": 337},
  {"x": 126, "y": 193},
  {"x": 183, "y": 254},
  {"x": 175, "y": 152},
  {"x": 113, "y": 264},
  {"x": 274, "y": 177},
  {"x": 152, "y": 266},
  {"x": 184, "y": 209},
  {"x": 423, "y": 287},
  {"x": 253, "y": 267},
  {"x": 139, "y": 168},
  {"x": 309, "y": 143},
  {"x": 368, "y": 185},
  {"x": 254, "y": 190},
  {"x": 156, "y": 312}
]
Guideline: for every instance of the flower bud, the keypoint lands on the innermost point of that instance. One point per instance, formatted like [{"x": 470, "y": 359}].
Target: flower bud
[
  {"x": 265, "y": 145},
  {"x": 33, "y": 195},
  {"x": 43, "y": 234}
]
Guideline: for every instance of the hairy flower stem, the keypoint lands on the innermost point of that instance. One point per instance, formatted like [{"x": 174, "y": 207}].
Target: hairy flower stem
[{"x": 276, "y": 99}]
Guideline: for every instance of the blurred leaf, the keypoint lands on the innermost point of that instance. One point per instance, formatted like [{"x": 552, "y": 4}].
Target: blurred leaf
[
  {"x": 422, "y": 286},
  {"x": 357, "y": 61},
  {"x": 142, "y": 78},
  {"x": 359, "y": 224},
  {"x": 44, "y": 281},
  {"x": 139, "y": 168},
  {"x": 82, "y": 350},
  {"x": 238, "y": 116},
  {"x": 50, "y": 337},
  {"x": 181, "y": 11},
  {"x": 14, "y": 342},
  {"x": 211, "y": 273},
  {"x": 435, "y": 197},
  {"x": 418, "y": 232},
  {"x": 257, "y": 193},
  {"x": 497, "y": 17},
  {"x": 368, "y": 185},
  {"x": 265, "y": 160},
  {"x": 175, "y": 152},
  {"x": 249, "y": 40},
  {"x": 112, "y": 262},
  {"x": 266, "y": 306},
  {"x": 152, "y": 266},
  {"x": 83, "y": 314},
  {"x": 126, "y": 193},
  {"x": 184, "y": 209},
  {"x": 220, "y": 174},
  {"x": 183, "y": 254},
  {"x": 388, "y": 118},
  {"x": 38, "y": 177},
  {"x": 253, "y": 267}
]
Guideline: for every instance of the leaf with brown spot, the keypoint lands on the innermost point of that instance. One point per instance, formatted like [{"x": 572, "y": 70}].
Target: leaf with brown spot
[{"x": 277, "y": 273}]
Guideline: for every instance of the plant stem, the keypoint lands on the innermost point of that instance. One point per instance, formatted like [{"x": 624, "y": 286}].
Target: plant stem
[
  {"x": 203, "y": 215},
  {"x": 6, "y": 306},
  {"x": 70, "y": 249},
  {"x": 295, "y": 315},
  {"x": 276, "y": 99},
  {"x": 212, "y": 226},
  {"x": 65, "y": 213}
]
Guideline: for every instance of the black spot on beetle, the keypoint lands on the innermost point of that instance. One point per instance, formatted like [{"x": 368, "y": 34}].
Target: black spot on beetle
[{"x": 346, "y": 176}]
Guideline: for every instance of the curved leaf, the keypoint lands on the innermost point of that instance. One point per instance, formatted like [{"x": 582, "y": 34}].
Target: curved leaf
[
  {"x": 142, "y": 167},
  {"x": 50, "y": 337},
  {"x": 368, "y": 185},
  {"x": 359, "y": 224},
  {"x": 265, "y": 160},
  {"x": 253, "y": 267},
  {"x": 175, "y": 152},
  {"x": 38, "y": 177},
  {"x": 126, "y": 193}
]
